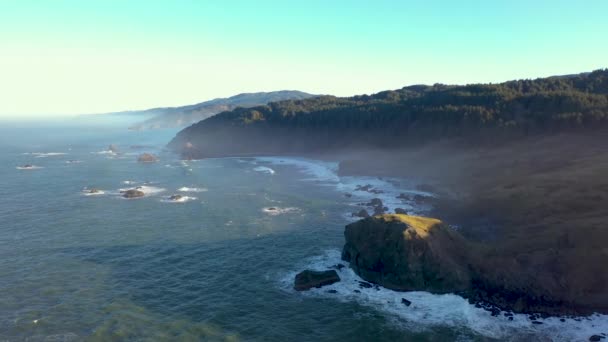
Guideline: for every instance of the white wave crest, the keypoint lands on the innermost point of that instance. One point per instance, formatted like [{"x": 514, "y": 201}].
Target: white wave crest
[
  {"x": 181, "y": 199},
  {"x": 274, "y": 211},
  {"x": 187, "y": 189},
  {"x": 29, "y": 167},
  {"x": 264, "y": 169},
  {"x": 428, "y": 310}
]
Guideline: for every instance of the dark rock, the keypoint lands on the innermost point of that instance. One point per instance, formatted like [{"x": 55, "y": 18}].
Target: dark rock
[
  {"x": 332, "y": 291},
  {"x": 366, "y": 187},
  {"x": 348, "y": 195},
  {"x": 400, "y": 211},
  {"x": 176, "y": 197},
  {"x": 562, "y": 320},
  {"x": 147, "y": 158},
  {"x": 510, "y": 318},
  {"x": 92, "y": 191},
  {"x": 375, "y": 202},
  {"x": 537, "y": 322},
  {"x": 406, "y": 302},
  {"x": 132, "y": 193},
  {"x": 338, "y": 266},
  {"x": 403, "y": 196},
  {"x": 365, "y": 285},
  {"x": 362, "y": 213},
  {"x": 409, "y": 253},
  {"x": 595, "y": 338},
  {"x": 422, "y": 254},
  {"x": 378, "y": 211},
  {"x": 308, "y": 279},
  {"x": 356, "y": 291}
]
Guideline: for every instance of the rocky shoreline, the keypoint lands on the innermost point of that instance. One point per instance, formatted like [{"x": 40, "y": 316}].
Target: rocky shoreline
[{"x": 409, "y": 253}]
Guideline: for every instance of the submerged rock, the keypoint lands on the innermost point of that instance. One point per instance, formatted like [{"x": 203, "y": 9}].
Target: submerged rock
[
  {"x": 308, "y": 279},
  {"x": 147, "y": 158},
  {"x": 132, "y": 193}
]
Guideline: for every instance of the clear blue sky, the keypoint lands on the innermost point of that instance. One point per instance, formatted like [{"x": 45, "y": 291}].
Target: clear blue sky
[{"x": 78, "y": 56}]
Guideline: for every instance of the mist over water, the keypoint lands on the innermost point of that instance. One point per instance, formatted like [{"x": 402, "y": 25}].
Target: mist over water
[{"x": 217, "y": 266}]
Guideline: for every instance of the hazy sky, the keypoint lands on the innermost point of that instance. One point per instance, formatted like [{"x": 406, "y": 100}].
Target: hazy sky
[{"x": 90, "y": 56}]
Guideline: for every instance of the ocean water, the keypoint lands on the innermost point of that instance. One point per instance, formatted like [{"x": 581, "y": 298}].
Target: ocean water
[{"x": 217, "y": 264}]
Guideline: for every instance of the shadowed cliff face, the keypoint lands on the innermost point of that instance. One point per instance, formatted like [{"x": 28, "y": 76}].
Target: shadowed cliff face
[
  {"x": 407, "y": 253},
  {"x": 413, "y": 253}
]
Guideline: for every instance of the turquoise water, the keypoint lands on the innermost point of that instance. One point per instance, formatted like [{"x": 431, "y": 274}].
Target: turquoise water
[{"x": 214, "y": 267}]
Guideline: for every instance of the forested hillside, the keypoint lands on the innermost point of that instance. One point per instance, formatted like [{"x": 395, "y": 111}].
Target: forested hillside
[{"x": 419, "y": 112}]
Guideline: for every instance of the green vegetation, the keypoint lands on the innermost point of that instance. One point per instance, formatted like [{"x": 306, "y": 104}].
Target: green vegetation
[
  {"x": 555, "y": 102},
  {"x": 405, "y": 117}
]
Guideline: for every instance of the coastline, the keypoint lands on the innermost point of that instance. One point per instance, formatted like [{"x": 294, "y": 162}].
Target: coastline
[{"x": 520, "y": 199}]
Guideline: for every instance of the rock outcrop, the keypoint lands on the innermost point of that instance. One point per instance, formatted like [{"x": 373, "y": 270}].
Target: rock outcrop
[
  {"x": 361, "y": 213},
  {"x": 407, "y": 253},
  {"x": 308, "y": 279},
  {"x": 147, "y": 158},
  {"x": 132, "y": 193}
]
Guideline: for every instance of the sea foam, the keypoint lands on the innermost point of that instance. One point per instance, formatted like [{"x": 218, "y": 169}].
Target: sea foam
[
  {"x": 431, "y": 310},
  {"x": 326, "y": 173}
]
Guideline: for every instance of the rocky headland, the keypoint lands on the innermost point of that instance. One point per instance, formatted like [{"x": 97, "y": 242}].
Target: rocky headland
[{"x": 409, "y": 253}]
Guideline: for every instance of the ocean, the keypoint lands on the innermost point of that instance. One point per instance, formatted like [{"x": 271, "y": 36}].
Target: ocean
[{"x": 216, "y": 264}]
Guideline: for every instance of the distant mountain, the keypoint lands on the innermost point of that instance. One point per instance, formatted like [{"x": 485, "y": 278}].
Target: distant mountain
[
  {"x": 187, "y": 115},
  {"x": 409, "y": 115}
]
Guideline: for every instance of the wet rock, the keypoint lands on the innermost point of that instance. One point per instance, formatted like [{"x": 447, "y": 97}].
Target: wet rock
[
  {"x": 356, "y": 291},
  {"x": 378, "y": 211},
  {"x": 308, "y": 279},
  {"x": 362, "y": 213},
  {"x": 365, "y": 285},
  {"x": 406, "y": 302},
  {"x": 375, "y": 202},
  {"x": 147, "y": 158},
  {"x": 347, "y": 195},
  {"x": 132, "y": 193},
  {"x": 595, "y": 338},
  {"x": 92, "y": 191},
  {"x": 366, "y": 187},
  {"x": 537, "y": 322},
  {"x": 176, "y": 197},
  {"x": 400, "y": 211},
  {"x": 338, "y": 266},
  {"x": 332, "y": 291}
]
